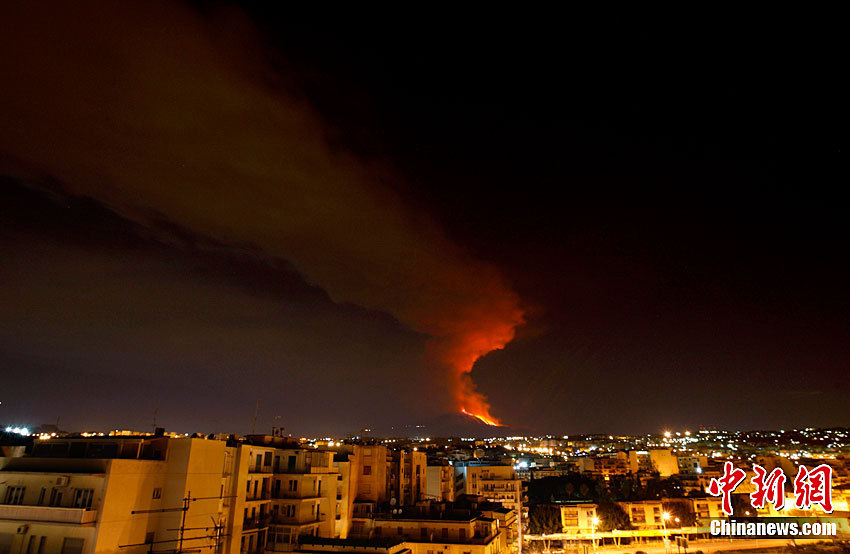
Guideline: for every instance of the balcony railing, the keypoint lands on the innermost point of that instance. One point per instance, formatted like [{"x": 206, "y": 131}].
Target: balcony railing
[
  {"x": 296, "y": 495},
  {"x": 261, "y": 495},
  {"x": 282, "y": 520},
  {"x": 255, "y": 522},
  {"x": 51, "y": 514}
]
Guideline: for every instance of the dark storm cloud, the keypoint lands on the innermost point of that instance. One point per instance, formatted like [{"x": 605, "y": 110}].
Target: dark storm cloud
[{"x": 158, "y": 113}]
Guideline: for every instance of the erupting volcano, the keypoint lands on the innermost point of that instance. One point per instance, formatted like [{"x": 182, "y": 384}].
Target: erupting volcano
[{"x": 485, "y": 322}]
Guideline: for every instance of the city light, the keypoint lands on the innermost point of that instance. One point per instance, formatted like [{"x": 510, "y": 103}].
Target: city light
[{"x": 18, "y": 430}]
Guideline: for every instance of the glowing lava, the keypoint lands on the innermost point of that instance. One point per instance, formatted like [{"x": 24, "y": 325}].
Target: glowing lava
[{"x": 482, "y": 418}]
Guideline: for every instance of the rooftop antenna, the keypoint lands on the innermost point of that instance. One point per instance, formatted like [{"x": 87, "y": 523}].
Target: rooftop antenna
[{"x": 181, "y": 538}]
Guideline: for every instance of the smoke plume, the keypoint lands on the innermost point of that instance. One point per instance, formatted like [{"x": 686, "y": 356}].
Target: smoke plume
[{"x": 158, "y": 112}]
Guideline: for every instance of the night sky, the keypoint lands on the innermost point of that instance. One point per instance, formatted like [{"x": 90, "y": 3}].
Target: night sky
[{"x": 230, "y": 217}]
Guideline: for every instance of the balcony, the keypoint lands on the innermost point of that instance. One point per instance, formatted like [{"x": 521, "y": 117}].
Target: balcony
[
  {"x": 261, "y": 495},
  {"x": 260, "y": 468},
  {"x": 255, "y": 523},
  {"x": 48, "y": 514},
  {"x": 296, "y": 495},
  {"x": 283, "y": 520}
]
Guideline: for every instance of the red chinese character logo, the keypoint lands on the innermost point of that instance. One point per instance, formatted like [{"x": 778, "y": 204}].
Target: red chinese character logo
[
  {"x": 726, "y": 485},
  {"x": 770, "y": 490},
  {"x": 814, "y": 487}
]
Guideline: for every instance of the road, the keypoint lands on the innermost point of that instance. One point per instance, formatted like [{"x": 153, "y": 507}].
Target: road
[{"x": 705, "y": 546}]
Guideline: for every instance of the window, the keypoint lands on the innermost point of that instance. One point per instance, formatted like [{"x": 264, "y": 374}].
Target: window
[
  {"x": 293, "y": 485},
  {"x": 15, "y": 495},
  {"x": 83, "y": 498},
  {"x": 41, "y": 496},
  {"x": 72, "y": 546},
  {"x": 399, "y": 531},
  {"x": 445, "y": 532},
  {"x": 157, "y": 493},
  {"x": 423, "y": 533},
  {"x": 55, "y": 497},
  {"x": 367, "y": 470},
  {"x": 267, "y": 459},
  {"x": 462, "y": 534}
]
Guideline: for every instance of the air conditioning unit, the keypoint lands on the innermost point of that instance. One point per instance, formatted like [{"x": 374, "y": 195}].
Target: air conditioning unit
[
  {"x": 62, "y": 481},
  {"x": 22, "y": 529}
]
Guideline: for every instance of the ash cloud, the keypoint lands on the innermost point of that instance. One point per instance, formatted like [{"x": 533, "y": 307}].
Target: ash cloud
[{"x": 156, "y": 111}]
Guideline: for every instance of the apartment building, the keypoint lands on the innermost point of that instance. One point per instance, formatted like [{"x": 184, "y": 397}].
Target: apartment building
[
  {"x": 407, "y": 476},
  {"x": 438, "y": 528},
  {"x": 693, "y": 464},
  {"x": 496, "y": 483},
  {"x": 346, "y": 465},
  {"x": 710, "y": 507},
  {"x": 372, "y": 470},
  {"x": 304, "y": 495},
  {"x": 608, "y": 466},
  {"x": 646, "y": 514},
  {"x": 129, "y": 494},
  {"x": 440, "y": 482},
  {"x": 661, "y": 461},
  {"x": 114, "y": 495},
  {"x": 578, "y": 518}
]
